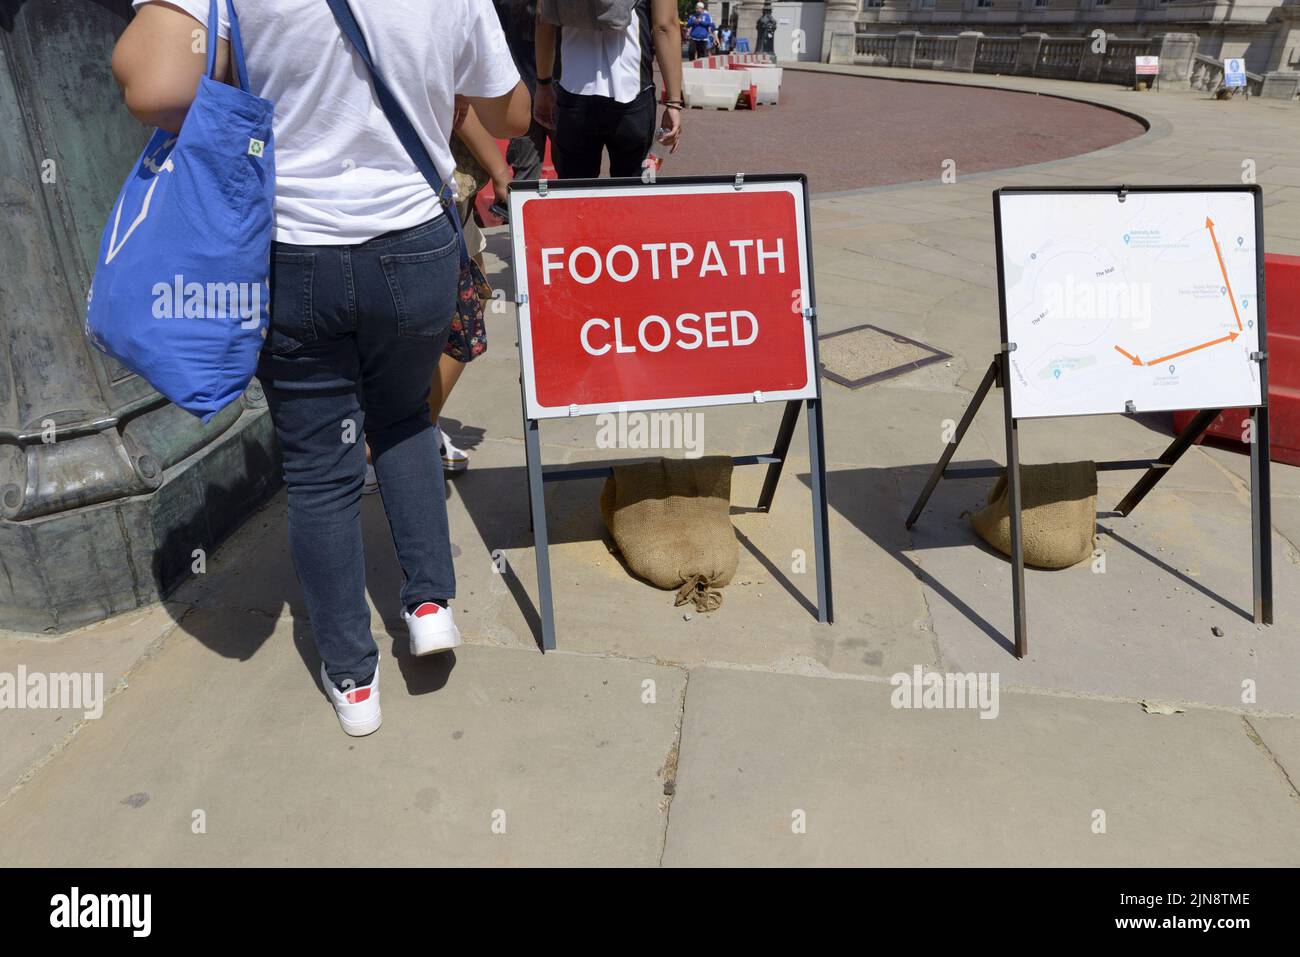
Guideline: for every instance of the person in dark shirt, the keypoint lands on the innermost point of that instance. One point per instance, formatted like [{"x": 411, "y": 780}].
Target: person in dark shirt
[
  {"x": 766, "y": 31},
  {"x": 525, "y": 153}
]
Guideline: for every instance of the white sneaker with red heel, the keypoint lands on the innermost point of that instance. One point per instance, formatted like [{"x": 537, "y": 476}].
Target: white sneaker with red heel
[
  {"x": 432, "y": 627},
  {"x": 357, "y": 709}
]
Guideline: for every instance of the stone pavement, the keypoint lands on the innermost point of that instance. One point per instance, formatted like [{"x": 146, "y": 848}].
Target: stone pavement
[{"x": 753, "y": 735}]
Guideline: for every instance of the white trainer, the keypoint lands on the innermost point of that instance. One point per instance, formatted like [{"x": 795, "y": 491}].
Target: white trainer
[
  {"x": 358, "y": 709},
  {"x": 433, "y": 629}
]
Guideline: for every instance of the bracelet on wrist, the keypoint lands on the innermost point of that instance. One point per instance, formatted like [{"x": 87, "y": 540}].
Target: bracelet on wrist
[{"x": 544, "y": 81}]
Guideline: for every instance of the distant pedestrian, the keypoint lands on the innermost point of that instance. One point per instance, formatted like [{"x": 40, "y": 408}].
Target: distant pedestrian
[
  {"x": 700, "y": 28},
  {"x": 766, "y": 28},
  {"x": 724, "y": 39},
  {"x": 604, "y": 99}
]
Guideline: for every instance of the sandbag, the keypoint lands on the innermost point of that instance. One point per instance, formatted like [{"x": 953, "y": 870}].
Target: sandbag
[
  {"x": 671, "y": 519},
  {"x": 1058, "y": 507},
  {"x": 587, "y": 14}
]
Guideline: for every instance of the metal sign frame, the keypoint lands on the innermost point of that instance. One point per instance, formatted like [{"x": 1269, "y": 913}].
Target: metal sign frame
[
  {"x": 809, "y": 396},
  {"x": 1155, "y": 469}
]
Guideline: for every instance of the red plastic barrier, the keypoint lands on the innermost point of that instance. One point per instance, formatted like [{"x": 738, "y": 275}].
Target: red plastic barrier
[{"x": 1282, "y": 302}]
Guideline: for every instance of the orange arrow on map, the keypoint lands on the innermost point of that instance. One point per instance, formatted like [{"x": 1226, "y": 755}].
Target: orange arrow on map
[
  {"x": 1209, "y": 224},
  {"x": 1129, "y": 356},
  {"x": 1204, "y": 345}
]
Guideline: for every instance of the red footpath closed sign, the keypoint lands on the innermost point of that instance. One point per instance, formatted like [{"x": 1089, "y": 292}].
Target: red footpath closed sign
[{"x": 662, "y": 296}]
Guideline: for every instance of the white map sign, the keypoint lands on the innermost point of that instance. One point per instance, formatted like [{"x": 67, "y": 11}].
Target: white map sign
[{"x": 1150, "y": 301}]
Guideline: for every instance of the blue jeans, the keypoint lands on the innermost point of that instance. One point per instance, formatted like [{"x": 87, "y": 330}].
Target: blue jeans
[{"x": 356, "y": 334}]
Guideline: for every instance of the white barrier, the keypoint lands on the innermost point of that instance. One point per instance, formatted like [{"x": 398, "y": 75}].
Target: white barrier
[
  {"x": 767, "y": 80},
  {"x": 714, "y": 89},
  {"x": 725, "y": 60},
  {"x": 754, "y": 68}
]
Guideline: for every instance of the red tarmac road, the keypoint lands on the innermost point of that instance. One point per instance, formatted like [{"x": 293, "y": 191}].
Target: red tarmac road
[{"x": 850, "y": 132}]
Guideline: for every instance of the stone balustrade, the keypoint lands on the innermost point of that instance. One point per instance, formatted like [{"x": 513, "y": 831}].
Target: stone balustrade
[
  {"x": 1207, "y": 75},
  {"x": 1093, "y": 59}
]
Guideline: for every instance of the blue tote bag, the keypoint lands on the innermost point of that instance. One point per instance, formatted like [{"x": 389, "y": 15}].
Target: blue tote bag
[{"x": 181, "y": 293}]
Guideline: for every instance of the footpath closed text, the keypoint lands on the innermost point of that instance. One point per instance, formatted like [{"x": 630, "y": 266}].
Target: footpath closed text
[{"x": 712, "y": 326}]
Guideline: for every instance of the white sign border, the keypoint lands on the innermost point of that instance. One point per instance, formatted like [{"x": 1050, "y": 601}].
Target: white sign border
[{"x": 520, "y": 197}]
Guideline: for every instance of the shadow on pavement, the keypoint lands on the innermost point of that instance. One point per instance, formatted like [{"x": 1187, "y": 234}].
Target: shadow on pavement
[
  {"x": 856, "y": 494},
  {"x": 257, "y": 582}
]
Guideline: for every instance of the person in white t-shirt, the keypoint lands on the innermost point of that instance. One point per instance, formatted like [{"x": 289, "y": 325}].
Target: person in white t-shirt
[
  {"x": 603, "y": 98},
  {"x": 364, "y": 279}
]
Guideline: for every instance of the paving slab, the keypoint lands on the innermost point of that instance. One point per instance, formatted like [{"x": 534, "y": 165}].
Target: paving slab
[
  {"x": 1281, "y": 737},
  {"x": 106, "y": 651},
  {"x": 230, "y": 731},
  {"x": 1175, "y": 570},
  {"x": 878, "y": 786}
]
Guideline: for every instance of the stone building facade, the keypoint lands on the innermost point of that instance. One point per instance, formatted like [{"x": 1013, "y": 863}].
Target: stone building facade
[{"x": 1265, "y": 33}]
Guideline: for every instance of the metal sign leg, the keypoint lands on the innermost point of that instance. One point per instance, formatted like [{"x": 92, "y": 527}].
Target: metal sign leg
[
  {"x": 541, "y": 539},
  {"x": 817, "y": 482},
  {"x": 1017, "y": 549},
  {"x": 1261, "y": 518},
  {"x": 780, "y": 451},
  {"x": 1181, "y": 443},
  {"x": 1021, "y": 629},
  {"x": 967, "y": 418}
]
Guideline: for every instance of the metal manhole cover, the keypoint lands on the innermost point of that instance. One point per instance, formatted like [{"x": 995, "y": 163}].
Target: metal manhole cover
[{"x": 866, "y": 354}]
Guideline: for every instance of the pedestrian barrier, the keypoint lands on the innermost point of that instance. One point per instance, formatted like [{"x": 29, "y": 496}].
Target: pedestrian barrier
[
  {"x": 714, "y": 89},
  {"x": 1282, "y": 276},
  {"x": 701, "y": 86},
  {"x": 723, "y": 61},
  {"x": 766, "y": 81}
]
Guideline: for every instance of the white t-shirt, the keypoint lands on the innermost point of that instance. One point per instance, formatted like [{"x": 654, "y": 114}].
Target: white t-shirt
[
  {"x": 611, "y": 63},
  {"x": 342, "y": 176}
]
